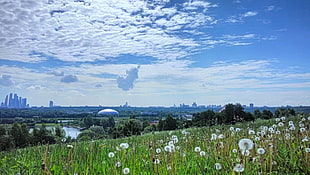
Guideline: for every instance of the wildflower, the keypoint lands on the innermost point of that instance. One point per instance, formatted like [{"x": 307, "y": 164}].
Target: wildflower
[
  {"x": 257, "y": 138},
  {"x": 302, "y": 129},
  {"x": 261, "y": 151},
  {"x": 278, "y": 132},
  {"x": 231, "y": 129},
  {"x": 251, "y": 132},
  {"x": 234, "y": 150},
  {"x": 168, "y": 148},
  {"x": 111, "y": 154},
  {"x": 307, "y": 150},
  {"x": 124, "y": 145},
  {"x": 197, "y": 149},
  {"x": 218, "y": 166},
  {"x": 213, "y": 136},
  {"x": 238, "y": 129},
  {"x": 280, "y": 124},
  {"x": 282, "y": 118},
  {"x": 239, "y": 168},
  {"x": 156, "y": 161},
  {"x": 202, "y": 153},
  {"x": 245, "y": 144},
  {"x": 126, "y": 171},
  {"x": 69, "y": 146},
  {"x": 118, "y": 164},
  {"x": 245, "y": 152},
  {"x": 158, "y": 150},
  {"x": 278, "y": 119},
  {"x": 305, "y": 139}
]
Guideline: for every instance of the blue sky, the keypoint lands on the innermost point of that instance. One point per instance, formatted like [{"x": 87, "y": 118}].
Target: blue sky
[{"x": 155, "y": 53}]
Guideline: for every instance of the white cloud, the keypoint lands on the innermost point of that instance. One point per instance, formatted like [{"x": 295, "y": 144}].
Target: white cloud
[
  {"x": 249, "y": 14},
  {"x": 77, "y": 31},
  {"x": 5, "y": 80}
]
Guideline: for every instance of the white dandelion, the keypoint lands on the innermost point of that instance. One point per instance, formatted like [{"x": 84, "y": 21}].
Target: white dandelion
[
  {"x": 245, "y": 144},
  {"x": 158, "y": 150},
  {"x": 124, "y": 145},
  {"x": 111, "y": 154},
  {"x": 197, "y": 149},
  {"x": 202, "y": 153},
  {"x": 218, "y": 166},
  {"x": 126, "y": 171},
  {"x": 307, "y": 150},
  {"x": 261, "y": 151},
  {"x": 239, "y": 168}
]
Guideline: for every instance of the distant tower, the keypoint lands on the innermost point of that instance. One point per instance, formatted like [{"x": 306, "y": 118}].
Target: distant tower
[
  {"x": 251, "y": 105},
  {"x": 24, "y": 103},
  {"x": 11, "y": 100},
  {"x": 6, "y": 101},
  {"x": 51, "y": 104}
]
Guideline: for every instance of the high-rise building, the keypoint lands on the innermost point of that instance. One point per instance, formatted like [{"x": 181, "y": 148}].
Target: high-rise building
[
  {"x": 11, "y": 101},
  {"x": 24, "y": 103},
  {"x": 51, "y": 104},
  {"x": 6, "y": 101}
]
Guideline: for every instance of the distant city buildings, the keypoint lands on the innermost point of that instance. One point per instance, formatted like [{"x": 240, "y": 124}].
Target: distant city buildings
[{"x": 11, "y": 101}]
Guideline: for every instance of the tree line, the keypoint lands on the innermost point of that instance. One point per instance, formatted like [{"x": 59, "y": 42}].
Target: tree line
[{"x": 18, "y": 135}]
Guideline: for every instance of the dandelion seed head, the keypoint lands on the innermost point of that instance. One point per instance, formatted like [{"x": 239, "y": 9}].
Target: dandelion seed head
[
  {"x": 239, "y": 168},
  {"x": 245, "y": 152},
  {"x": 197, "y": 149},
  {"x": 218, "y": 166},
  {"x": 156, "y": 161},
  {"x": 118, "y": 164},
  {"x": 124, "y": 145},
  {"x": 126, "y": 171},
  {"x": 111, "y": 154},
  {"x": 232, "y": 129},
  {"x": 69, "y": 146},
  {"x": 261, "y": 151},
  {"x": 202, "y": 153},
  {"x": 307, "y": 150},
  {"x": 234, "y": 150},
  {"x": 245, "y": 144},
  {"x": 158, "y": 150},
  {"x": 280, "y": 124},
  {"x": 251, "y": 132},
  {"x": 238, "y": 129}
]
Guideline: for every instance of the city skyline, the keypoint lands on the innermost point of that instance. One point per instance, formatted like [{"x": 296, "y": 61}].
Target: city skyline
[{"x": 156, "y": 53}]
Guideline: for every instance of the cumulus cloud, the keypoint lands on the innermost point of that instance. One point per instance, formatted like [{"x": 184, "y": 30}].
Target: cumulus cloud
[
  {"x": 5, "y": 80},
  {"x": 127, "y": 82},
  {"x": 69, "y": 79}
]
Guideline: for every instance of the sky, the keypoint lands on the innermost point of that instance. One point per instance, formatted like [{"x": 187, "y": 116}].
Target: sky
[{"x": 155, "y": 52}]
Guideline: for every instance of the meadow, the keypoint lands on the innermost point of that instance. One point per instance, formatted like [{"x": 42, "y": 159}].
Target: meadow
[{"x": 276, "y": 146}]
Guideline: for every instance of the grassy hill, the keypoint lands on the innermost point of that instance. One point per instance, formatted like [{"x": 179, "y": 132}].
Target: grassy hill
[{"x": 280, "y": 146}]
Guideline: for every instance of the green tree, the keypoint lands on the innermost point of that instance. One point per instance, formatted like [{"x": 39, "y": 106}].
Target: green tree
[
  {"x": 170, "y": 123},
  {"x": 257, "y": 113},
  {"x": 267, "y": 114},
  {"x": 132, "y": 127}
]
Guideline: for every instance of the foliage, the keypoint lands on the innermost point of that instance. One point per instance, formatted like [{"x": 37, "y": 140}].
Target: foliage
[{"x": 205, "y": 150}]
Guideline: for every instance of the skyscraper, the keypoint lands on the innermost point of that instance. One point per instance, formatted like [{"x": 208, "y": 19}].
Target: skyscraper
[
  {"x": 6, "y": 101},
  {"x": 51, "y": 104},
  {"x": 11, "y": 101}
]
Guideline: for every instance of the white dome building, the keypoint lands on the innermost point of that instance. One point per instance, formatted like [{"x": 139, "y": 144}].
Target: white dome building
[{"x": 108, "y": 112}]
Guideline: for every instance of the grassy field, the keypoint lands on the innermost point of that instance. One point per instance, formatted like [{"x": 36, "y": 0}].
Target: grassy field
[{"x": 277, "y": 146}]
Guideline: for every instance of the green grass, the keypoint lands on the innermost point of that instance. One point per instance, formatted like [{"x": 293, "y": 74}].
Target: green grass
[{"x": 285, "y": 153}]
